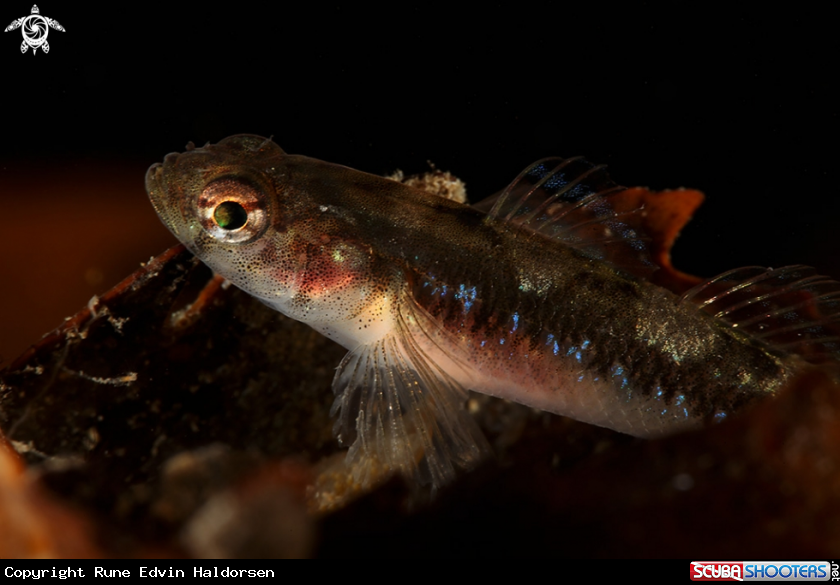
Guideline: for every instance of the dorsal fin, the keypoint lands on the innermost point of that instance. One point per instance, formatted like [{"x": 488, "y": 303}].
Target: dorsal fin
[
  {"x": 792, "y": 308},
  {"x": 575, "y": 202}
]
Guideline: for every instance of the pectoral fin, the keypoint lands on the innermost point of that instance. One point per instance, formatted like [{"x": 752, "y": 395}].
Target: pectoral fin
[{"x": 398, "y": 406}]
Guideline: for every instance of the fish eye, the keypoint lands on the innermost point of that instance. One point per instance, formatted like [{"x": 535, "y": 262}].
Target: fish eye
[
  {"x": 230, "y": 215},
  {"x": 233, "y": 209}
]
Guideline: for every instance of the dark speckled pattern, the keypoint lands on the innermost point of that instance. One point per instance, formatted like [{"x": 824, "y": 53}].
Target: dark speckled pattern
[{"x": 528, "y": 309}]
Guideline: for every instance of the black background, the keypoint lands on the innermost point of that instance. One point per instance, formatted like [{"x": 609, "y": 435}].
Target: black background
[{"x": 741, "y": 104}]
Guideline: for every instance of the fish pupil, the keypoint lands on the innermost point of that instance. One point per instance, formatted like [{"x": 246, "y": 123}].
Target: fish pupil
[{"x": 230, "y": 215}]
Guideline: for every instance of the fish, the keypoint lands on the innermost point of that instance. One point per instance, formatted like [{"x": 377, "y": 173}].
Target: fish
[{"x": 541, "y": 294}]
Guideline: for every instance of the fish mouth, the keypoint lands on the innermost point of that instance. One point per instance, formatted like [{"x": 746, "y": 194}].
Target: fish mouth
[
  {"x": 164, "y": 203},
  {"x": 154, "y": 188},
  {"x": 153, "y": 174}
]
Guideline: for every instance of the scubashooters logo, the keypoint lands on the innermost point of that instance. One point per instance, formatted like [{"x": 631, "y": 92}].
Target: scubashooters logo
[
  {"x": 762, "y": 571},
  {"x": 35, "y": 29}
]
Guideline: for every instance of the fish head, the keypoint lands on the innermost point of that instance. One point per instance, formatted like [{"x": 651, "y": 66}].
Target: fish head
[{"x": 271, "y": 223}]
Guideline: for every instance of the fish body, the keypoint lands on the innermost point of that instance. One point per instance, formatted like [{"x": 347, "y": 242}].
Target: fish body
[{"x": 537, "y": 295}]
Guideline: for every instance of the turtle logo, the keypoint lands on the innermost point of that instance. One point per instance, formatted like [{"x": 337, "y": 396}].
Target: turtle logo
[{"x": 35, "y": 28}]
